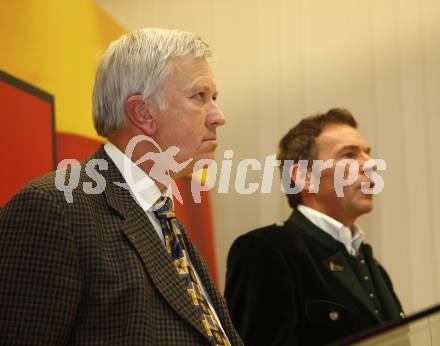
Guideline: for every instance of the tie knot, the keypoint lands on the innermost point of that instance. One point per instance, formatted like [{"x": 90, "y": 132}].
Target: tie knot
[{"x": 163, "y": 208}]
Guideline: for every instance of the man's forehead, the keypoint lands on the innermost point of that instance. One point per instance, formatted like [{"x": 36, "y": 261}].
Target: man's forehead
[
  {"x": 188, "y": 63},
  {"x": 338, "y": 136},
  {"x": 192, "y": 70}
]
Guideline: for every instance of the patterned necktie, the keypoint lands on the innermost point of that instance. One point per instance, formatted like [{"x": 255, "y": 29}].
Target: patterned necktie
[{"x": 175, "y": 246}]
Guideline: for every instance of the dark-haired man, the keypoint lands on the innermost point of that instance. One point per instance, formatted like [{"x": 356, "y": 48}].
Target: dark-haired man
[{"x": 312, "y": 280}]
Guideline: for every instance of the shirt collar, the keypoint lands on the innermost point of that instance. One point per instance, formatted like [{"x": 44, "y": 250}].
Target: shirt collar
[
  {"x": 145, "y": 193},
  {"x": 339, "y": 232}
]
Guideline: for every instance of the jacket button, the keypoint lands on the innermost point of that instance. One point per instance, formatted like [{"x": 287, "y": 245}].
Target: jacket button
[{"x": 334, "y": 315}]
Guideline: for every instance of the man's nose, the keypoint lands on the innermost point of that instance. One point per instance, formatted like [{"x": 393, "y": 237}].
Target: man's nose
[
  {"x": 215, "y": 116},
  {"x": 367, "y": 164}
]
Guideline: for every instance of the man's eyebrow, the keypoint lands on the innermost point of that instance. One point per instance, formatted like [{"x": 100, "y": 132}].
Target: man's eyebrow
[
  {"x": 203, "y": 85},
  {"x": 367, "y": 150}
]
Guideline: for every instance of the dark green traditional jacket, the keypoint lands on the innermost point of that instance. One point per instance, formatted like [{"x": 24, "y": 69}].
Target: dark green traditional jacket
[{"x": 295, "y": 285}]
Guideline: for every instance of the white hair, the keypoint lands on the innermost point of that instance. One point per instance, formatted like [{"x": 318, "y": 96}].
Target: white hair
[{"x": 136, "y": 63}]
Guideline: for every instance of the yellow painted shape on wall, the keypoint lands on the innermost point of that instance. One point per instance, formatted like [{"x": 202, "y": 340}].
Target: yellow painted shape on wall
[{"x": 53, "y": 45}]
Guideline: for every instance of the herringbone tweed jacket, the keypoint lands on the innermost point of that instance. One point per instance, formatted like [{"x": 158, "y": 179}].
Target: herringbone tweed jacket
[{"x": 93, "y": 272}]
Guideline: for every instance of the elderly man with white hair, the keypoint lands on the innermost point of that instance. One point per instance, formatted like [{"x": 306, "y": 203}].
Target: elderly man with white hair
[{"x": 113, "y": 265}]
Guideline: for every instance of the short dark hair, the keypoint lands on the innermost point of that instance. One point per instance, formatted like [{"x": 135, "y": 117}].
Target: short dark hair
[{"x": 299, "y": 142}]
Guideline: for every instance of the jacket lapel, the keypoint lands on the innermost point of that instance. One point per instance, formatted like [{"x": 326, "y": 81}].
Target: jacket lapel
[
  {"x": 391, "y": 308},
  {"x": 141, "y": 234},
  {"x": 337, "y": 265},
  {"x": 159, "y": 266},
  {"x": 216, "y": 299}
]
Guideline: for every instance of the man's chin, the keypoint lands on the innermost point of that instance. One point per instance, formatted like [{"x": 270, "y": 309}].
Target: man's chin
[
  {"x": 366, "y": 206},
  {"x": 207, "y": 155}
]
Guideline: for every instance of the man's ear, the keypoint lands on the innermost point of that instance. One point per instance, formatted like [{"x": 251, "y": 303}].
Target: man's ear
[
  {"x": 137, "y": 111},
  {"x": 300, "y": 174}
]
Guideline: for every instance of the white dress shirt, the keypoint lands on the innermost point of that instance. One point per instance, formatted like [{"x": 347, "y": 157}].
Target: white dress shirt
[
  {"x": 351, "y": 240},
  {"x": 146, "y": 197}
]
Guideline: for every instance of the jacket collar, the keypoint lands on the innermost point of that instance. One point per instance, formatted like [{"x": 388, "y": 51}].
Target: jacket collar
[{"x": 311, "y": 230}]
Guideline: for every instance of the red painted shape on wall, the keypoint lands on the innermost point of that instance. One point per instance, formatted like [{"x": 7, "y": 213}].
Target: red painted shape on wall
[
  {"x": 71, "y": 146},
  {"x": 27, "y": 147}
]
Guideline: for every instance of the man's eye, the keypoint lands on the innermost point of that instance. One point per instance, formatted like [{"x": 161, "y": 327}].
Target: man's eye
[
  {"x": 200, "y": 96},
  {"x": 350, "y": 155}
]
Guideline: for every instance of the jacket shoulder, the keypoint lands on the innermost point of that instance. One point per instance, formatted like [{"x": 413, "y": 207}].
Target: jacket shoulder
[
  {"x": 272, "y": 233},
  {"x": 268, "y": 239},
  {"x": 58, "y": 187},
  {"x": 265, "y": 232}
]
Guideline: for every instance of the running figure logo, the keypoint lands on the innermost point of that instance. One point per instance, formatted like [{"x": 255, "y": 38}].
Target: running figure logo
[{"x": 163, "y": 164}]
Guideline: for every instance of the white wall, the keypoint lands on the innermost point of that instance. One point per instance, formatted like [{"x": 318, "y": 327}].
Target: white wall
[{"x": 280, "y": 60}]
